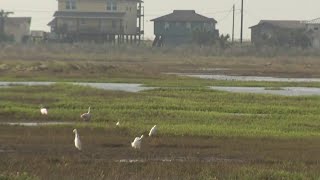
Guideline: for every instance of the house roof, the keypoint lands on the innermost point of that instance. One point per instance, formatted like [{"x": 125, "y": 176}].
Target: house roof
[
  {"x": 288, "y": 24},
  {"x": 314, "y": 21},
  {"x": 18, "y": 20},
  {"x": 185, "y": 16},
  {"x": 102, "y": 15}
]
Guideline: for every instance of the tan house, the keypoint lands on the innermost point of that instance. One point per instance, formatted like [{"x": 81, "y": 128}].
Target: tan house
[
  {"x": 16, "y": 27},
  {"x": 98, "y": 19}
]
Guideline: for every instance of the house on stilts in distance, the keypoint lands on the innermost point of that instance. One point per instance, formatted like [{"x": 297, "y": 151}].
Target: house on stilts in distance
[
  {"x": 182, "y": 27},
  {"x": 99, "y": 20}
]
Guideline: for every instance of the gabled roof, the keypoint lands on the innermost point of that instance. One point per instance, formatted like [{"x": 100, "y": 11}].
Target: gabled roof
[
  {"x": 184, "y": 16},
  {"x": 287, "y": 24},
  {"x": 102, "y": 15}
]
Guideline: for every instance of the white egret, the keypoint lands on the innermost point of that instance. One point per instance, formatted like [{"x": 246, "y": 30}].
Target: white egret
[
  {"x": 77, "y": 142},
  {"x": 136, "y": 144},
  {"x": 153, "y": 131},
  {"x": 118, "y": 124},
  {"x": 43, "y": 110},
  {"x": 86, "y": 116}
]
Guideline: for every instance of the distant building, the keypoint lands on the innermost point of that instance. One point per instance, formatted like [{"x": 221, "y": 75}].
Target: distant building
[
  {"x": 38, "y": 36},
  {"x": 16, "y": 27},
  {"x": 98, "y": 20},
  {"x": 180, "y": 27},
  {"x": 277, "y": 32},
  {"x": 313, "y": 32}
]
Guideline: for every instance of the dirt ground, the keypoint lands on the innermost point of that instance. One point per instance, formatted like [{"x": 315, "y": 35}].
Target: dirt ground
[{"x": 49, "y": 153}]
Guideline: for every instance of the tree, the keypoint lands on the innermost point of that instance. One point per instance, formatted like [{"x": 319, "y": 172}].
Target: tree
[
  {"x": 203, "y": 37},
  {"x": 3, "y": 16},
  {"x": 223, "y": 41}
]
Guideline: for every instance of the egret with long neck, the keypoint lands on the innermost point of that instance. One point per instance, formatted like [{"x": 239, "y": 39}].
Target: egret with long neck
[
  {"x": 77, "y": 142},
  {"x": 136, "y": 144},
  {"x": 153, "y": 131},
  {"x": 86, "y": 116}
]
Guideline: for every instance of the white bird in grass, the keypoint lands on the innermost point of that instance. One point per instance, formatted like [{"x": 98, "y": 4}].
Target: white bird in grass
[
  {"x": 153, "y": 131},
  {"x": 86, "y": 116},
  {"x": 136, "y": 144},
  {"x": 118, "y": 124},
  {"x": 43, "y": 110},
  {"x": 77, "y": 142}
]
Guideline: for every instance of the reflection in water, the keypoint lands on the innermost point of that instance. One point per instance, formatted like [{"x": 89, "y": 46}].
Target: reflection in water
[
  {"x": 180, "y": 159},
  {"x": 248, "y": 78},
  {"x": 285, "y": 91},
  {"x": 105, "y": 86},
  {"x": 33, "y": 124}
]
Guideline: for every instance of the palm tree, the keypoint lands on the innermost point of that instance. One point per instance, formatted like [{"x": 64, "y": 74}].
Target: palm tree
[{"x": 3, "y": 15}]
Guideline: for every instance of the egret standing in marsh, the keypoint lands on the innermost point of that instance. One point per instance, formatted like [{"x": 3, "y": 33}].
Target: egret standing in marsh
[
  {"x": 43, "y": 110},
  {"x": 77, "y": 142},
  {"x": 86, "y": 116},
  {"x": 136, "y": 144},
  {"x": 118, "y": 124},
  {"x": 153, "y": 131}
]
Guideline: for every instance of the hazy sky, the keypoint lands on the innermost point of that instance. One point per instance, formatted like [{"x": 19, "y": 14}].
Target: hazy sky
[{"x": 41, "y": 11}]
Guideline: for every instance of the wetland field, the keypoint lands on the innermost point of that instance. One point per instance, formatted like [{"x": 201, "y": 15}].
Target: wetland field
[{"x": 203, "y": 133}]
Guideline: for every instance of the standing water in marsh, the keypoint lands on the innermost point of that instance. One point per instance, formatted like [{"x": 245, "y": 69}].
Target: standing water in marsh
[{"x": 105, "y": 86}]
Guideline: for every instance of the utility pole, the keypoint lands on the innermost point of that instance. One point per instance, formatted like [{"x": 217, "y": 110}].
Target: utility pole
[
  {"x": 241, "y": 32},
  {"x": 233, "y": 24}
]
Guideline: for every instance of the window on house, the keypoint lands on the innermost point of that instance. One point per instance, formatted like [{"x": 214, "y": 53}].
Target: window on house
[
  {"x": 166, "y": 26},
  {"x": 188, "y": 25},
  {"x": 71, "y": 4},
  {"x": 112, "y": 5}
]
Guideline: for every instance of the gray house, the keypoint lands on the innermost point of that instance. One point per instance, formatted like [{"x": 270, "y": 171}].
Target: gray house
[
  {"x": 313, "y": 32},
  {"x": 277, "y": 32},
  {"x": 181, "y": 26}
]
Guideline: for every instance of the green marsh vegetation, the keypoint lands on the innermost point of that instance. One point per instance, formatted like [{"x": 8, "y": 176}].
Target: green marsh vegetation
[
  {"x": 248, "y": 136},
  {"x": 185, "y": 111}
]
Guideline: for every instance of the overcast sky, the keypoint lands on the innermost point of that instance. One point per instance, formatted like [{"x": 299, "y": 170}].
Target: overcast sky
[{"x": 254, "y": 10}]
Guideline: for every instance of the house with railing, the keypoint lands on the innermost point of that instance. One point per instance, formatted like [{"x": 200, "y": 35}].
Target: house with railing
[{"x": 98, "y": 20}]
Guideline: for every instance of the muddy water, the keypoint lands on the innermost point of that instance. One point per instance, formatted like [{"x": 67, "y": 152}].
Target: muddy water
[
  {"x": 285, "y": 91},
  {"x": 180, "y": 159},
  {"x": 105, "y": 86},
  {"x": 33, "y": 124},
  {"x": 248, "y": 78}
]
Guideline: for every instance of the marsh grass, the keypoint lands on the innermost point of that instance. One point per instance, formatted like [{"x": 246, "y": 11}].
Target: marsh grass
[
  {"x": 254, "y": 136},
  {"x": 48, "y": 153},
  {"x": 194, "y": 111},
  {"x": 104, "y": 63}
]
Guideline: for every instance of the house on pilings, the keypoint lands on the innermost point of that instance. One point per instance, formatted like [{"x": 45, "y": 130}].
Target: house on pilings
[{"x": 98, "y": 20}]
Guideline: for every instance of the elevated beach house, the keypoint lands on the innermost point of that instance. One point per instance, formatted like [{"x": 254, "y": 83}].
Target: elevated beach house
[
  {"x": 181, "y": 26},
  {"x": 277, "y": 32},
  {"x": 98, "y": 20}
]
